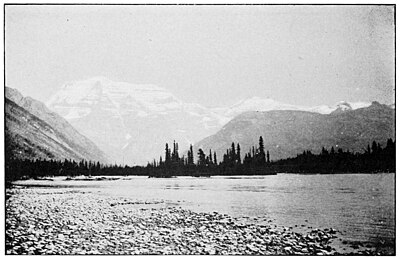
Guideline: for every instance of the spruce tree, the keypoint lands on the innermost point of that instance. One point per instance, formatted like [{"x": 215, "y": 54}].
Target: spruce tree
[
  {"x": 233, "y": 154},
  {"x": 98, "y": 166},
  {"x": 167, "y": 154},
  {"x": 191, "y": 157},
  {"x": 239, "y": 159},
  {"x": 173, "y": 156},
  {"x": 261, "y": 151},
  {"x": 202, "y": 157}
]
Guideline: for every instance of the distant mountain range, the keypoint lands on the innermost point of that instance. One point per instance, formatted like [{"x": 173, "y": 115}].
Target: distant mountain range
[
  {"x": 33, "y": 131},
  {"x": 131, "y": 123},
  {"x": 287, "y": 133}
]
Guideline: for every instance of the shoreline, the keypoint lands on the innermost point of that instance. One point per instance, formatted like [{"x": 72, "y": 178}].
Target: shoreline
[{"x": 60, "y": 221}]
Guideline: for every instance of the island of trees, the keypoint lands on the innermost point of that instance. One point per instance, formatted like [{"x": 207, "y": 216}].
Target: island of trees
[{"x": 254, "y": 162}]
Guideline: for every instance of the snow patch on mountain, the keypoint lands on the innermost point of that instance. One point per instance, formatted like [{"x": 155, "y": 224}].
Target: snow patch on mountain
[
  {"x": 340, "y": 106},
  {"x": 255, "y": 104},
  {"x": 114, "y": 95},
  {"x": 267, "y": 104},
  {"x": 107, "y": 112}
]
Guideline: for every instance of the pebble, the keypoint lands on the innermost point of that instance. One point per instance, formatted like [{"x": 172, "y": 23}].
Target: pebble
[{"x": 73, "y": 222}]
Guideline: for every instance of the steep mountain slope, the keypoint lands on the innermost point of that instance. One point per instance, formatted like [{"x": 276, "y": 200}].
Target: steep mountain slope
[
  {"x": 33, "y": 131},
  {"x": 131, "y": 122},
  {"x": 287, "y": 133}
]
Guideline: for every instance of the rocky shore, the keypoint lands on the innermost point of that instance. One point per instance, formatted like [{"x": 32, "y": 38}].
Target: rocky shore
[{"x": 62, "y": 221}]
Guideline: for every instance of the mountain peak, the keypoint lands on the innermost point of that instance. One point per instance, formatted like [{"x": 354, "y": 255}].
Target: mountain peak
[
  {"x": 13, "y": 94},
  {"x": 149, "y": 114},
  {"x": 94, "y": 90},
  {"x": 344, "y": 105}
]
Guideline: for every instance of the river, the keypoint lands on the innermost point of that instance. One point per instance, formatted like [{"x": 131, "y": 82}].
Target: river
[{"x": 360, "y": 206}]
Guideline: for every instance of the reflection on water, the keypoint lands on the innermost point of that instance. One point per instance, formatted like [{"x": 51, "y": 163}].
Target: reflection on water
[{"x": 360, "y": 206}]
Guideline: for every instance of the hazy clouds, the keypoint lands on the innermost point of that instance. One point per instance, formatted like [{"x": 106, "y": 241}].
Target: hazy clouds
[{"x": 213, "y": 55}]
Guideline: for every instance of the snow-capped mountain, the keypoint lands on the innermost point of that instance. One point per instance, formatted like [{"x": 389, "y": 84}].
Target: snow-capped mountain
[
  {"x": 132, "y": 122},
  {"x": 254, "y": 104},
  {"x": 267, "y": 104},
  {"x": 340, "y": 106}
]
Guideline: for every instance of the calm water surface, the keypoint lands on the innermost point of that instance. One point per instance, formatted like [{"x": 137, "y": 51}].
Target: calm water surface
[{"x": 361, "y": 206}]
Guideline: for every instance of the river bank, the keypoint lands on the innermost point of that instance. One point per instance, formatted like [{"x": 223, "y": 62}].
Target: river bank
[{"x": 62, "y": 221}]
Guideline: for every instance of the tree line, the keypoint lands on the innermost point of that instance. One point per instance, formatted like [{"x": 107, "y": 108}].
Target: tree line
[
  {"x": 255, "y": 162},
  {"x": 207, "y": 164},
  {"x": 373, "y": 159},
  {"x": 172, "y": 165}
]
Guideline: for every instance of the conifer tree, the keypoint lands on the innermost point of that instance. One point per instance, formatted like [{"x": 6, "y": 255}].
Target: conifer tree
[
  {"x": 188, "y": 157},
  {"x": 191, "y": 156},
  {"x": 233, "y": 154},
  {"x": 202, "y": 157},
  {"x": 167, "y": 154},
  {"x": 374, "y": 147},
  {"x": 239, "y": 159},
  {"x": 224, "y": 158},
  {"x": 173, "y": 156},
  {"x": 262, "y": 152},
  {"x": 98, "y": 166}
]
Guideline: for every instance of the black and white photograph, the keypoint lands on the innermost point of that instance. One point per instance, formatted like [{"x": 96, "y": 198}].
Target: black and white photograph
[{"x": 199, "y": 129}]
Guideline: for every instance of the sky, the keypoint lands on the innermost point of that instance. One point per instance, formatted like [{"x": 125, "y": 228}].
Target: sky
[{"x": 211, "y": 55}]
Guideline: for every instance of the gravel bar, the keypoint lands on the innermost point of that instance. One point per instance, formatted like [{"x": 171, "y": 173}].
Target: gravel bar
[{"x": 65, "y": 222}]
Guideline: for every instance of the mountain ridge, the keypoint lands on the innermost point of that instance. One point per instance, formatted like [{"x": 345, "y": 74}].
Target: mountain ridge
[
  {"x": 37, "y": 132},
  {"x": 268, "y": 104},
  {"x": 138, "y": 119},
  {"x": 287, "y": 133}
]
